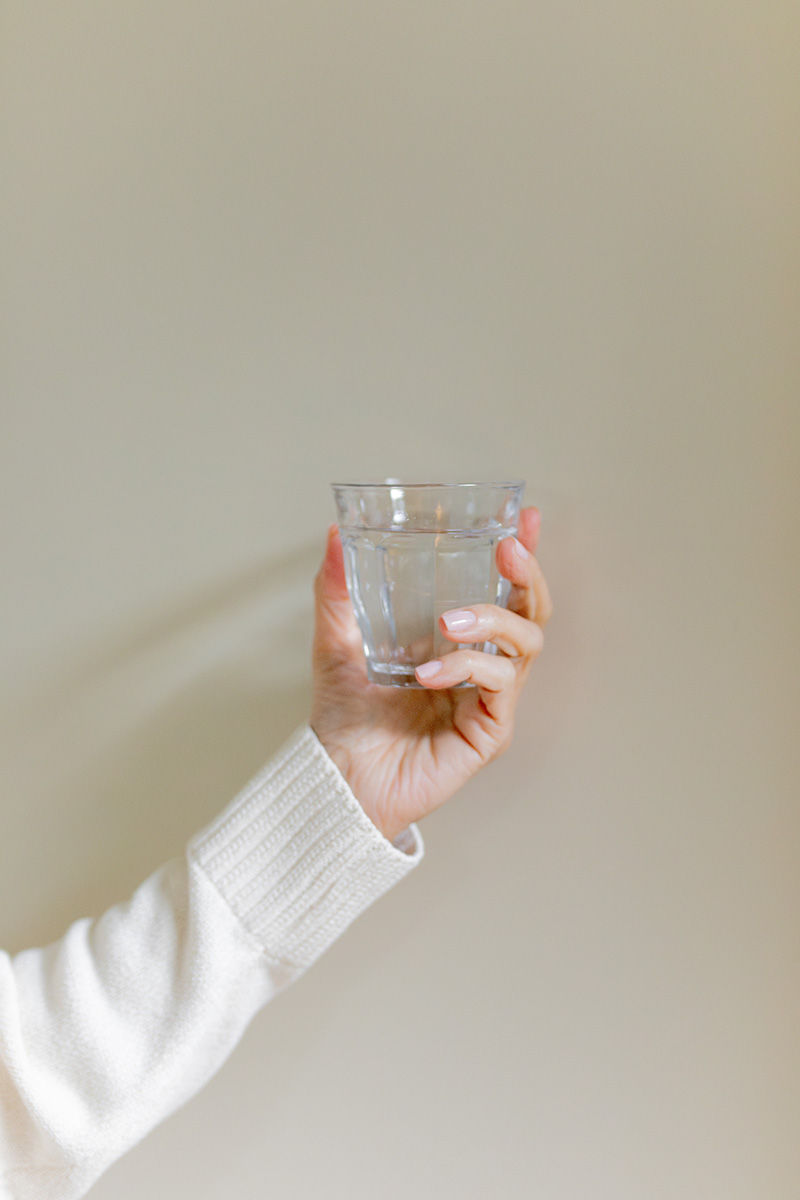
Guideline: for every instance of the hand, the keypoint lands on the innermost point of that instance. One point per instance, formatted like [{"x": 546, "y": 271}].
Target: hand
[{"x": 404, "y": 751}]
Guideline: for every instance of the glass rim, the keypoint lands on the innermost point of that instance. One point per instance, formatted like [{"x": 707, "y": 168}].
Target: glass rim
[{"x": 507, "y": 485}]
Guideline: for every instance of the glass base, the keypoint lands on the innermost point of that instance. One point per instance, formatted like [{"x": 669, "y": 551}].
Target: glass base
[{"x": 400, "y": 675}]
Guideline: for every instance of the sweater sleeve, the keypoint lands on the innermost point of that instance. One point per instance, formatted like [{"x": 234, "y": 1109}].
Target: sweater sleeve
[{"x": 107, "y": 1031}]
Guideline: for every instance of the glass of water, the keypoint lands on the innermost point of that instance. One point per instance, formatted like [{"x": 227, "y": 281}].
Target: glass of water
[{"x": 411, "y": 552}]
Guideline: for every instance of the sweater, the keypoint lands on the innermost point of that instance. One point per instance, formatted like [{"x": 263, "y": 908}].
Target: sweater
[{"x": 110, "y": 1029}]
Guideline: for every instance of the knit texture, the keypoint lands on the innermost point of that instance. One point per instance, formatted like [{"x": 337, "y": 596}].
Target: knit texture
[
  {"x": 113, "y": 1027},
  {"x": 296, "y": 856}
]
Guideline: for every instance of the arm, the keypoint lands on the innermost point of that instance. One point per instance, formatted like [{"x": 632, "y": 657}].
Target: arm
[
  {"x": 106, "y": 1032},
  {"x": 110, "y": 1029}
]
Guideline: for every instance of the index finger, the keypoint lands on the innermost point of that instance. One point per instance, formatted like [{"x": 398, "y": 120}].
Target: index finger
[
  {"x": 529, "y": 595},
  {"x": 529, "y": 527}
]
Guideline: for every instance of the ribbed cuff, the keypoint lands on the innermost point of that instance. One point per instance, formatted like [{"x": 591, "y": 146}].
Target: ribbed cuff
[{"x": 295, "y": 855}]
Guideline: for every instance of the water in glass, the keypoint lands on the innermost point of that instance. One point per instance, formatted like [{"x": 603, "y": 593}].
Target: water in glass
[{"x": 402, "y": 581}]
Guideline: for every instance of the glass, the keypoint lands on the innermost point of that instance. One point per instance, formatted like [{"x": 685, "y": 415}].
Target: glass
[{"x": 411, "y": 552}]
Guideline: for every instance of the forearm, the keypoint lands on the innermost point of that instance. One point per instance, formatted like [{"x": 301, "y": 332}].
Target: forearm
[
  {"x": 106, "y": 1032},
  {"x": 111, "y": 1028}
]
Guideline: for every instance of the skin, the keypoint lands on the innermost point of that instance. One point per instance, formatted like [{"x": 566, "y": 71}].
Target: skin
[{"x": 404, "y": 751}]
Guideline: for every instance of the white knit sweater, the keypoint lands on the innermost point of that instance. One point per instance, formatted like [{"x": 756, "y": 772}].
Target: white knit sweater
[{"x": 110, "y": 1029}]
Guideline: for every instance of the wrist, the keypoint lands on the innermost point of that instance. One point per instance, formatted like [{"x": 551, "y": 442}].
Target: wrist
[
  {"x": 391, "y": 832},
  {"x": 389, "y": 828}
]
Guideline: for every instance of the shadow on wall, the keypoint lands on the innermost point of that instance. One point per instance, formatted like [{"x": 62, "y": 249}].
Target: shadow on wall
[
  {"x": 144, "y": 739},
  {"x": 147, "y": 736}
]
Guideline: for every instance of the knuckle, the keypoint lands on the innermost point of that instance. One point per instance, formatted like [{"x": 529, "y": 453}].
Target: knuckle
[
  {"x": 485, "y": 616},
  {"x": 509, "y": 669},
  {"x": 504, "y": 743},
  {"x": 537, "y": 640},
  {"x": 471, "y": 660}
]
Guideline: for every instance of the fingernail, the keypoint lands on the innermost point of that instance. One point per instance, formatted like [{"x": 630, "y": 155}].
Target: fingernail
[
  {"x": 429, "y": 669},
  {"x": 458, "y": 619},
  {"x": 521, "y": 551}
]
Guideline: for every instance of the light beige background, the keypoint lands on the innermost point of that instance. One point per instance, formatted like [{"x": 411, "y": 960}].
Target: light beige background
[{"x": 252, "y": 248}]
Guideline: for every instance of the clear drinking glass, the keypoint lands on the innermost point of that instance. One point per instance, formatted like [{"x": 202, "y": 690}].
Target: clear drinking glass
[{"x": 411, "y": 552}]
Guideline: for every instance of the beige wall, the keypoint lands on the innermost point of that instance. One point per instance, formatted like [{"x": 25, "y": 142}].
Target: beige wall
[{"x": 252, "y": 248}]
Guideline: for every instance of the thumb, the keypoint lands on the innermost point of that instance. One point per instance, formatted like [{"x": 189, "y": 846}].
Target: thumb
[{"x": 336, "y": 633}]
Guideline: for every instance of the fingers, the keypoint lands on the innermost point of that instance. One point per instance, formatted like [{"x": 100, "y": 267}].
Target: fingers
[
  {"x": 529, "y": 528},
  {"x": 514, "y": 563},
  {"x": 543, "y": 605},
  {"x": 331, "y": 574},
  {"x": 508, "y": 631},
  {"x": 529, "y": 596},
  {"x": 484, "y": 717}
]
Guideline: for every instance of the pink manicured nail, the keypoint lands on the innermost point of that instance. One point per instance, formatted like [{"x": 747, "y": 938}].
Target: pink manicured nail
[
  {"x": 429, "y": 668},
  {"x": 458, "y": 619},
  {"x": 521, "y": 551}
]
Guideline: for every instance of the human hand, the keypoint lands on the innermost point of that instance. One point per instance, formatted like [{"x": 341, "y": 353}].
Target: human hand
[{"x": 404, "y": 751}]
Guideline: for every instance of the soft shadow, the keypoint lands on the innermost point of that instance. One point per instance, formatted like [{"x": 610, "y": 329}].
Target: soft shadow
[
  {"x": 145, "y": 739},
  {"x": 92, "y": 664}
]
